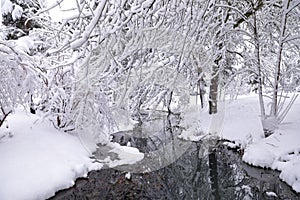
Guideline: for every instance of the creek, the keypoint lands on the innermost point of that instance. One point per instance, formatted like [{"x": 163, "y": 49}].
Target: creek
[{"x": 176, "y": 169}]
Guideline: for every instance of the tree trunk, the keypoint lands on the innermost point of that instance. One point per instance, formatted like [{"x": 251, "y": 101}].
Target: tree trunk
[
  {"x": 214, "y": 82},
  {"x": 259, "y": 73},
  {"x": 213, "y": 89},
  {"x": 201, "y": 86},
  {"x": 274, "y": 108}
]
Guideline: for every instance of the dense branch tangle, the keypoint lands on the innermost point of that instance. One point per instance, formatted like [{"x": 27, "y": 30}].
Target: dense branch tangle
[{"x": 136, "y": 53}]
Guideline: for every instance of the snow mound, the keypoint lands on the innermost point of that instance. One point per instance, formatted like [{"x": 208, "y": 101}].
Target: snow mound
[
  {"x": 259, "y": 156},
  {"x": 279, "y": 152},
  {"x": 126, "y": 155},
  {"x": 38, "y": 160},
  {"x": 291, "y": 174},
  {"x": 271, "y": 194}
]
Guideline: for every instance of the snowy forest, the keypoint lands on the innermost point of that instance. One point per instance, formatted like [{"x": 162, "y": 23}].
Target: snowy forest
[{"x": 93, "y": 67}]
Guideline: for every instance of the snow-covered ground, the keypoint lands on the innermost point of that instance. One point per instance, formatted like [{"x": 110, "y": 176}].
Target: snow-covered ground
[
  {"x": 37, "y": 160},
  {"x": 280, "y": 151}
]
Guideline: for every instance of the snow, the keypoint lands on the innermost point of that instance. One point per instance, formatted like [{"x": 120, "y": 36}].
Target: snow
[
  {"x": 123, "y": 120},
  {"x": 242, "y": 126},
  {"x": 127, "y": 155},
  {"x": 280, "y": 151},
  {"x": 191, "y": 124},
  {"x": 271, "y": 194},
  {"x": 291, "y": 173},
  {"x": 262, "y": 156},
  {"x": 89, "y": 28},
  {"x": 231, "y": 145},
  {"x": 37, "y": 160},
  {"x": 195, "y": 129},
  {"x": 232, "y": 123},
  {"x": 6, "y": 7},
  {"x": 24, "y": 44},
  {"x": 17, "y": 12},
  {"x": 128, "y": 176}
]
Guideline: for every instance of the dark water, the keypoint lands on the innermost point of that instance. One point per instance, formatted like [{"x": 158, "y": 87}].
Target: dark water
[{"x": 217, "y": 174}]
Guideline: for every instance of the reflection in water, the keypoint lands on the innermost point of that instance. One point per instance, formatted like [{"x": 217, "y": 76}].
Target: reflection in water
[
  {"x": 213, "y": 171},
  {"x": 220, "y": 174}
]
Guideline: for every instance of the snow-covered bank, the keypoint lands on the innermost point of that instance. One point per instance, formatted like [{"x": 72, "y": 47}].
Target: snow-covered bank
[
  {"x": 241, "y": 125},
  {"x": 237, "y": 120},
  {"x": 280, "y": 151},
  {"x": 38, "y": 160}
]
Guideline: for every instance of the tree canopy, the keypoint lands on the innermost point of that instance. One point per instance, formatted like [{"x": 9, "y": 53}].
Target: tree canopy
[{"x": 112, "y": 59}]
